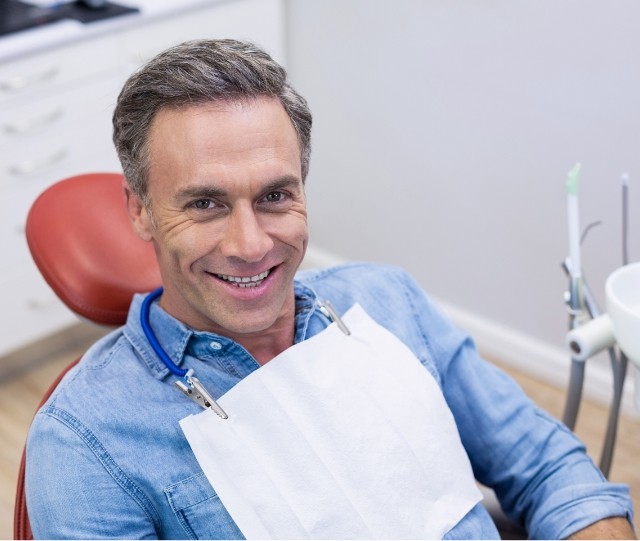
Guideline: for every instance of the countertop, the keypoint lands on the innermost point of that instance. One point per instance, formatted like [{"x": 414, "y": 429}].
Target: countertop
[{"x": 21, "y": 44}]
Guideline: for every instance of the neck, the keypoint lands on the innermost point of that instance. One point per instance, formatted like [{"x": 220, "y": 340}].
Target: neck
[
  {"x": 268, "y": 344},
  {"x": 265, "y": 344}
]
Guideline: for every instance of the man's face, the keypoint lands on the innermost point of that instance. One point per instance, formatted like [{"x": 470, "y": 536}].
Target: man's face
[{"x": 228, "y": 216}]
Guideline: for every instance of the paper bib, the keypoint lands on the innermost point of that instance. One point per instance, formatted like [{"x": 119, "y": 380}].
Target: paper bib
[{"x": 339, "y": 437}]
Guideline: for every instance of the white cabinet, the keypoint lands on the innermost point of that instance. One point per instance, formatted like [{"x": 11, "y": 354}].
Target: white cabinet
[
  {"x": 260, "y": 21},
  {"x": 55, "y": 121}
]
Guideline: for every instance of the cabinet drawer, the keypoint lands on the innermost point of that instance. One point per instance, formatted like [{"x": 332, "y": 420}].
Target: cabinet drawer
[
  {"x": 16, "y": 202},
  {"x": 13, "y": 242},
  {"x": 14, "y": 208},
  {"x": 32, "y": 77},
  {"x": 31, "y": 309},
  {"x": 55, "y": 131}
]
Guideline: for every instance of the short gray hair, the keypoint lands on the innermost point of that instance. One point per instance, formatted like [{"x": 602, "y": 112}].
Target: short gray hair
[{"x": 193, "y": 73}]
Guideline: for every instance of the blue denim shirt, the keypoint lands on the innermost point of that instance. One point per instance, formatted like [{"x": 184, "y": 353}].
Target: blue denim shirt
[{"x": 107, "y": 458}]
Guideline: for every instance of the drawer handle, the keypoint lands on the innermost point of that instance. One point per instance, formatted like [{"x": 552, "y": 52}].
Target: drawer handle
[
  {"x": 33, "y": 166},
  {"x": 21, "y": 82},
  {"x": 30, "y": 125}
]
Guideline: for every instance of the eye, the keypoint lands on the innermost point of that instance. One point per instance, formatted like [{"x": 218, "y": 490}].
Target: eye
[
  {"x": 202, "y": 204},
  {"x": 275, "y": 197}
]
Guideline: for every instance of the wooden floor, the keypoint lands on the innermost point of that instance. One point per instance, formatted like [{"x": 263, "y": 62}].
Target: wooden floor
[{"x": 25, "y": 376}]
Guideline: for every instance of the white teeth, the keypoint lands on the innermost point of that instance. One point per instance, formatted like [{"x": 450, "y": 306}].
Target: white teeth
[{"x": 245, "y": 281}]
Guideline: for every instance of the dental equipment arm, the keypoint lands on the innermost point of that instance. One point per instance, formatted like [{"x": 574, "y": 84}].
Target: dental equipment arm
[{"x": 578, "y": 298}]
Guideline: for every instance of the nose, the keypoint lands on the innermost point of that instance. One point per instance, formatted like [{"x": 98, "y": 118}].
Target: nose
[{"x": 245, "y": 237}]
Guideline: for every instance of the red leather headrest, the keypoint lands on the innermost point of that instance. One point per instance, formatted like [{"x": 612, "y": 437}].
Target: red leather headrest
[{"x": 82, "y": 240}]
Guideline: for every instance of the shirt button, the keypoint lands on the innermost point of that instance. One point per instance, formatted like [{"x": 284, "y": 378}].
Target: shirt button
[{"x": 215, "y": 345}]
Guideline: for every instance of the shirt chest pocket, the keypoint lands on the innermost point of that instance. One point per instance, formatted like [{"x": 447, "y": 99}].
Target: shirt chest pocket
[{"x": 199, "y": 510}]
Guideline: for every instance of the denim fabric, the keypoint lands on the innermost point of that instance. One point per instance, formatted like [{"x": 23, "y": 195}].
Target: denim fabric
[{"x": 106, "y": 456}]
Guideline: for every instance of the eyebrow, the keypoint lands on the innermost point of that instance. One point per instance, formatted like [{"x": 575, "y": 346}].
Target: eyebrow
[
  {"x": 200, "y": 191},
  {"x": 214, "y": 192},
  {"x": 284, "y": 182}
]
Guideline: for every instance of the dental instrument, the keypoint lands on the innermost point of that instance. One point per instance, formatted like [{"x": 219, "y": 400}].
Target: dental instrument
[
  {"x": 575, "y": 296},
  {"x": 580, "y": 302}
]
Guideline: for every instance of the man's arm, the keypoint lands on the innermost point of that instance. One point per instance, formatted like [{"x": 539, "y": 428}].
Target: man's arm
[
  {"x": 609, "y": 528},
  {"x": 71, "y": 493},
  {"x": 539, "y": 469}
]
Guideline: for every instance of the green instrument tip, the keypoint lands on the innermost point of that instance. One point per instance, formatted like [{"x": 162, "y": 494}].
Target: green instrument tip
[{"x": 572, "y": 180}]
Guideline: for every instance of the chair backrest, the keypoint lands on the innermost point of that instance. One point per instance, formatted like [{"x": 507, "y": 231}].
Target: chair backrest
[{"x": 82, "y": 241}]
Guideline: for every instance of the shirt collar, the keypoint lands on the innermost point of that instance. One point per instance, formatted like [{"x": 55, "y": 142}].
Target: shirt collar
[
  {"x": 174, "y": 336},
  {"x": 306, "y": 304}
]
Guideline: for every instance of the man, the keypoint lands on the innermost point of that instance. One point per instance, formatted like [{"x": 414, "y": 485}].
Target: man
[{"x": 215, "y": 148}]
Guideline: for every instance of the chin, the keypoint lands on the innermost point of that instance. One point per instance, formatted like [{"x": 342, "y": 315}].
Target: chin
[{"x": 245, "y": 327}]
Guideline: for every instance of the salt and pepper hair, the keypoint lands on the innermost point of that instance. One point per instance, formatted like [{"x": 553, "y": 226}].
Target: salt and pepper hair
[{"x": 193, "y": 73}]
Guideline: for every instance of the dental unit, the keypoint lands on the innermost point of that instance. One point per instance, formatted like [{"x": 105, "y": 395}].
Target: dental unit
[{"x": 590, "y": 330}]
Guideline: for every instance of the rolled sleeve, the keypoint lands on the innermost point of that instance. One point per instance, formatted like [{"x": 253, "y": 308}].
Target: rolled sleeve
[
  {"x": 538, "y": 468},
  {"x": 573, "y": 508}
]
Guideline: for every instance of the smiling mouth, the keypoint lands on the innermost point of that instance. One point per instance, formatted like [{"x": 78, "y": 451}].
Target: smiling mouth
[{"x": 244, "y": 281}]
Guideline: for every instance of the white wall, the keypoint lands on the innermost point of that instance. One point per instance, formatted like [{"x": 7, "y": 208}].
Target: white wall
[{"x": 444, "y": 130}]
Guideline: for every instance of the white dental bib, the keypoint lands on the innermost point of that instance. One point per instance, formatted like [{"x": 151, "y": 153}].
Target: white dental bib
[{"x": 339, "y": 437}]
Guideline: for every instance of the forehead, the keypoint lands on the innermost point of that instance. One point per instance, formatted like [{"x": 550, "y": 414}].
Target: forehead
[
  {"x": 256, "y": 121},
  {"x": 222, "y": 139}
]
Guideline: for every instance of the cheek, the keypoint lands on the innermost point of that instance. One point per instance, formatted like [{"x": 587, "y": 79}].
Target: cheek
[
  {"x": 294, "y": 223},
  {"x": 302, "y": 228},
  {"x": 291, "y": 230},
  {"x": 185, "y": 247}
]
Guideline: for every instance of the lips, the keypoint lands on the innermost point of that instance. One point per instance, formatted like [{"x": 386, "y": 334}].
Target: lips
[{"x": 244, "y": 281}]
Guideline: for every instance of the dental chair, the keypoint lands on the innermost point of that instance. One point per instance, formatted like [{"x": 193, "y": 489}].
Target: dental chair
[{"x": 82, "y": 241}]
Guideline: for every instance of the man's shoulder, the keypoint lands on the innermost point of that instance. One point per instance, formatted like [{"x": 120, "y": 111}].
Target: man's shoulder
[
  {"x": 354, "y": 273},
  {"x": 377, "y": 287},
  {"x": 111, "y": 353}
]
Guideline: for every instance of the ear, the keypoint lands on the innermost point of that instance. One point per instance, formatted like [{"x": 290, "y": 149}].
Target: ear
[{"x": 138, "y": 214}]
